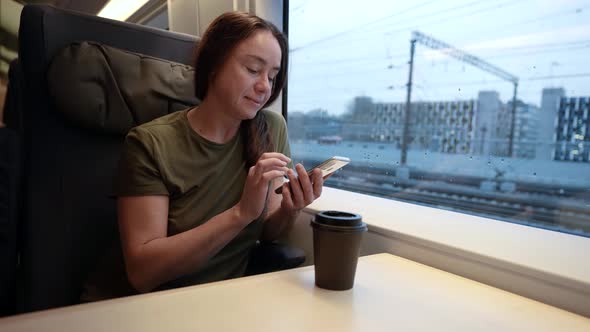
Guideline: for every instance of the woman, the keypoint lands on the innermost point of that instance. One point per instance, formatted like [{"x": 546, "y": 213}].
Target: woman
[{"x": 196, "y": 188}]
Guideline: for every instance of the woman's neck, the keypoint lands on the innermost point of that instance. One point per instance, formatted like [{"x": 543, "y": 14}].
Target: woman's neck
[{"x": 210, "y": 122}]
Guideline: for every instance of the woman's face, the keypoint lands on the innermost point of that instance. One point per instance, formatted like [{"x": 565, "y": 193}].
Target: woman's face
[{"x": 244, "y": 83}]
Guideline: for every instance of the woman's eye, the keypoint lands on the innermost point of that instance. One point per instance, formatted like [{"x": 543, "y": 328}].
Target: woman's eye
[{"x": 252, "y": 71}]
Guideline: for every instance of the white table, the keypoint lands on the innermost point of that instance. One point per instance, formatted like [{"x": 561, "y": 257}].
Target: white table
[{"x": 390, "y": 294}]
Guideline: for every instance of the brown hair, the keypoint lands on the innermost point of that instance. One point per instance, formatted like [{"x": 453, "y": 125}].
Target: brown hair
[{"x": 217, "y": 43}]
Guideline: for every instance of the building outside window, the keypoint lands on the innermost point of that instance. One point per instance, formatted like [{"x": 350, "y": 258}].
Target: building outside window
[{"x": 470, "y": 143}]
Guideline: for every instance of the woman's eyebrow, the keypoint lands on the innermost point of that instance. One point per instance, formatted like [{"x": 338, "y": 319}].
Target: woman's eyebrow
[{"x": 261, "y": 60}]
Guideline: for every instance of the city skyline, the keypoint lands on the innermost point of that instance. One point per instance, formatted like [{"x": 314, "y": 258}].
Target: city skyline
[{"x": 558, "y": 130}]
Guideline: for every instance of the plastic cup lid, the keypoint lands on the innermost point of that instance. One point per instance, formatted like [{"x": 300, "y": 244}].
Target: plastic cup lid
[{"x": 338, "y": 218}]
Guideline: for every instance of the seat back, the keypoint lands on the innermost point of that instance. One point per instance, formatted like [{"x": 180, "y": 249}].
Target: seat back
[
  {"x": 12, "y": 106},
  {"x": 9, "y": 193},
  {"x": 67, "y": 218},
  {"x": 10, "y": 186}
]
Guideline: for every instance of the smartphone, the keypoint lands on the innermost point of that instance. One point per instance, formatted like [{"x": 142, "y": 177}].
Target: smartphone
[{"x": 328, "y": 167}]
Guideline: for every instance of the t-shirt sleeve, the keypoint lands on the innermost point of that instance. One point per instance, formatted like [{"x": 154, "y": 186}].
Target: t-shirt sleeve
[{"x": 138, "y": 172}]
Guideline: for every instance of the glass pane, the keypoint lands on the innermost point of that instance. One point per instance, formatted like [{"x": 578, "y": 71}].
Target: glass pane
[{"x": 498, "y": 95}]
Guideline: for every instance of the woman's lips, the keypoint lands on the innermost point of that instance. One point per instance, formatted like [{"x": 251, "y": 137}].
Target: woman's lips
[{"x": 254, "y": 101}]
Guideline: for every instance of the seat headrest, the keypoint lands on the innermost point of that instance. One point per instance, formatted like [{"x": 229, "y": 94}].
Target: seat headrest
[{"x": 112, "y": 90}]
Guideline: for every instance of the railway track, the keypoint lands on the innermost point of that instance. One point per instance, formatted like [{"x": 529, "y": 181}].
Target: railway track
[{"x": 530, "y": 214}]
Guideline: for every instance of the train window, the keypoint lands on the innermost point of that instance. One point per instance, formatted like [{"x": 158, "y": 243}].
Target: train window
[{"x": 480, "y": 107}]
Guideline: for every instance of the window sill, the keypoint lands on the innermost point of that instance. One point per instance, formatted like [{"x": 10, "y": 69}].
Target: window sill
[{"x": 548, "y": 266}]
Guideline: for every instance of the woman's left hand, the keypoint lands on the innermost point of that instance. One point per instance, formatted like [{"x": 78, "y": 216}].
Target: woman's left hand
[{"x": 301, "y": 191}]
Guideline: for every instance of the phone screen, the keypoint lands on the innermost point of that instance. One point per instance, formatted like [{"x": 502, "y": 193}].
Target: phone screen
[
  {"x": 328, "y": 167},
  {"x": 331, "y": 165}
]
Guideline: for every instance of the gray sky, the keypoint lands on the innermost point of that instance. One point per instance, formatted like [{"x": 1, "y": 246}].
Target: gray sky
[{"x": 344, "y": 48}]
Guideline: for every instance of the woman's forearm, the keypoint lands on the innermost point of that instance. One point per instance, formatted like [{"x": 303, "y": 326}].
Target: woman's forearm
[{"x": 164, "y": 259}]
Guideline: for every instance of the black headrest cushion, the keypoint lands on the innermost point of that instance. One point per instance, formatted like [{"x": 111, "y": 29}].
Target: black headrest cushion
[{"x": 112, "y": 90}]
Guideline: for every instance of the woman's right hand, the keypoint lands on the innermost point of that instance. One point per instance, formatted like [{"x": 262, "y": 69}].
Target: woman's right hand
[{"x": 269, "y": 166}]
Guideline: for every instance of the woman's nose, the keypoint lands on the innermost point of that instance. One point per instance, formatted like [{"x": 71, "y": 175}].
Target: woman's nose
[{"x": 263, "y": 85}]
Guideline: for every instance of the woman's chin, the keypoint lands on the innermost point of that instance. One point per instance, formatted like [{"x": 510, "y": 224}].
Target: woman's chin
[{"x": 250, "y": 114}]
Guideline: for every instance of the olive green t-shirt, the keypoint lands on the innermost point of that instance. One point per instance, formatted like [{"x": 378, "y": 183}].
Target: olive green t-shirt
[{"x": 202, "y": 179}]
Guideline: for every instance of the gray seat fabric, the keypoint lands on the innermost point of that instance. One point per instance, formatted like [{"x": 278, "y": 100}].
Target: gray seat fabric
[{"x": 112, "y": 90}]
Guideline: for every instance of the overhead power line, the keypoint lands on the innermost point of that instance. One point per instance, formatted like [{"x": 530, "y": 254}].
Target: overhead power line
[
  {"x": 574, "y": 11},
  {"x": 462, "y": 56},
  {"x": 364, "y": 25},
  {"x": 538, "y": 49},
  {"x": 557, "y": 76},
  {"x": 413, "y": 25},
  {"x": 428, "y": 41},
  {"x": 483, "y": 82}
]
